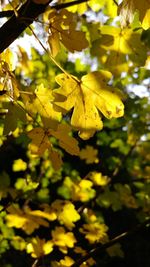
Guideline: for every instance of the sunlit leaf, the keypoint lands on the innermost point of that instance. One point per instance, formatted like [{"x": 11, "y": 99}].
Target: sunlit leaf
[
  {"x": 88, "y": 97},
  {"x": 66, "y": 213},
  {"x": 63, "y": 29},
  {"x": 21, "y": 219},
  {"x": 15, "y": 113},
  {"x": 39, "y": 247},
  {"x": 40, "y": 102},
  {"x": 40, "y": 141},
  {"x": 63, "y": 239},
  {"x": 95, "y": 232},
  {"x": 66, "y": 141},
  {"x": 128, "y": 7}
]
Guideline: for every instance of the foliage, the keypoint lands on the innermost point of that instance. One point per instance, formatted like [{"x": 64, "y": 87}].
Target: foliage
[{"x": 74, "y": 137}]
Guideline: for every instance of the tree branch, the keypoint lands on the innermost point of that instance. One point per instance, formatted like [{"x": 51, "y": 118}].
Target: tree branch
[
  {"x": 9, "y": 13},
  {"x": 28, "y": 12},
  {"x": 100, "y": 248},
  {"x": 6, "y": 13},
  {"x": 68, "y": 4},
  {"x": 10, "y": 31}
]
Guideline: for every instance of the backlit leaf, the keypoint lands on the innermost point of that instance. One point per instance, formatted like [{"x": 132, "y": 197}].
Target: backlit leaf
[
  {"x": 40, "y": 141},
  {"x": 22, "y": 219},
  {"x": 128, "y": 7},
  {"x": 41, "y": 102},
  {"x": 95, "y": 232},
  {"x": 39, "y": 247},
  {"x": 63, "y": 29},
  {"x": 66, "y": 141},
  {"x": 87, "y": 97},
  {"x": 15, "y": 113},
  {"x": 63, "y": 239}
]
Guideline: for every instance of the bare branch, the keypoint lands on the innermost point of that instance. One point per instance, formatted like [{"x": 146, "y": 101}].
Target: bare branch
[
  {"x": 68, "y": 4},
  {"x": 9, "y": 13},
  {"x": 100, "y": 248},
  {"x": 6, "y": 13},
  {"x": 28, "y": 12},
  {"x": 10, "y": 31}
]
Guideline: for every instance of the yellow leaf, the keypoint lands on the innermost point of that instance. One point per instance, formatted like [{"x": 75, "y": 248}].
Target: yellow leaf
[
  {"x": 8, "y": 57},
  {"x": 108, "y": 6},
  {"x": 7, "y": 66},
  {"x": 128, "y": 7},
  {"x": 40, "y": 141},
  {"x": 95, "y": 232},
  {"x": 19, "y": 165},
  {"x": 39, "y": 247},
  {"x": 41, "y": 102},
  {"x": 146, "y": 20},
  {"x": 21, "y": 219},
  {"x": 66, "y": 213},
  {"x": 62, "y": 239},
  {"x": 56, "y": 159},
  {"x": 15, "y": 113},
  {"x": 89, "y": 154},
  {"x": 79, "y": 250},
  {"x": 69, "y": 215},
  {"x": 66, "y": 141},
  {"x": 63, "y": 29},
  {"x": 50, "y": 211},
  {"x": 82, "y": 190},
  {"x": 67, "y": 262},
  {"x": 98, "y": 178},
  {"x": 120, "y": 43},
  {"x": 54, "y": 43},
  {"x": 49, "y": 215},
  {"x": 87, "y": 97}
]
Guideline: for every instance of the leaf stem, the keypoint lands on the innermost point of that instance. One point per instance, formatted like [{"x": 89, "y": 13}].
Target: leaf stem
[{"x": 54, "y": 61}]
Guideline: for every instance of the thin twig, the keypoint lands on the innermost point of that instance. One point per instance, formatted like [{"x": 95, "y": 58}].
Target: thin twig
[
  {"x": 115, "y": 2},
  {"x": 9, "y": 13},
  {"x": 6, "y": 13},
  {"x": 68, "y": 4},
  {"x": 35, "y": 263},
  {"x": 44, "y": 48},
  {"x": 100, "y": 248}
]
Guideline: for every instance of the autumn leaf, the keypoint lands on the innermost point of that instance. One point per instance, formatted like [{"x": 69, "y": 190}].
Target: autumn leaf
[
  {"x": 120, "y": 43},
  {"x": 40, "y": 141},
  {"x": 8, "y": 57},
  {"x": 128, "y": 7},
  {"x": 39, "y": 247},
  {"x": 41, "y": 102},
  {"x": 66, "y": 141},
  {"x": 95, "y": 232},
  {"x": 67, "y": 262},
  {"x": 56, "y": 159},
  {"x": 87, "y": 97},
  {"x": 15, "y": 113},
  {"x": 8, "y": 79},
  {"x": 89, "y": 154},
  {"x": 63, "y": 29},
  {"x": 23, "y": 219},
  {"x": 98, "y": 179},
  {"x": 66, "y": 213},
  {"x": 19, "y": 165},
  {"x": 63, "y": 239}
]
